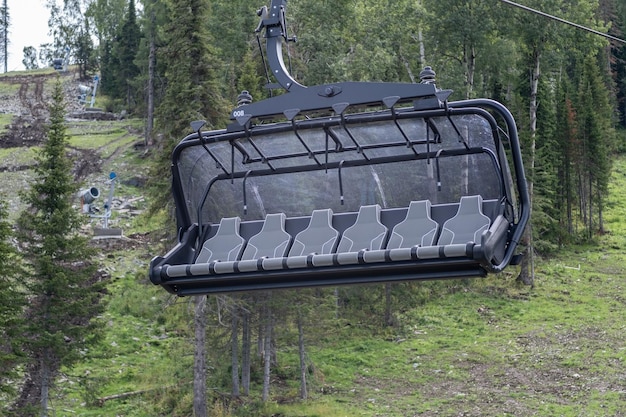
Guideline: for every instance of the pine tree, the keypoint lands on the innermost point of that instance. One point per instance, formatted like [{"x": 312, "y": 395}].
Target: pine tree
[
  {"x": 620, "y": 75},
  {"x": 191, "y": 63},
  {"x": 109, "y": 83},
  {"x": 569, "y": 158},
  {"x": 84, "y": 51},
  {"x": 12, "y": 300},
  {"x": 321, "y": 48},
  {"x": 598, "y": 137},
  {"x": 548, "y": 156},
  {"x": 250, "y": 78},
  {"x": 107, "y": 17},
  {"x": 127, "y": 47},
  {"x": 61, "y": 278}
]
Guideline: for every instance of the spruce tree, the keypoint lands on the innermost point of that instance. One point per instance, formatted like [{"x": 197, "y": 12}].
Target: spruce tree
[
  {"x": 598, "y": 140},
  {"x": 568, "y": 140},
  {"x": 109, "y": 84},
  {"x": 60, "y": 277},
  {"x": 191, "y": 66},
  {"x": 12, "y": 301},
  {"x": 127, "y": 47}
]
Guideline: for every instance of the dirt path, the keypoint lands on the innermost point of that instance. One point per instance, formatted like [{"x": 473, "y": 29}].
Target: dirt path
[
  {"x": 31, "y": 94},
  {"x": 27, "y": 127},
  {"x": 30, "y": 108},
  {"x": 29, "y": 105},
  {"x": 85, "y": 163}
]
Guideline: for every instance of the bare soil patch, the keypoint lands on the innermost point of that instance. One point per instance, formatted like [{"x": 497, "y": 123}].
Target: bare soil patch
[{"x": 30, "y": 107}]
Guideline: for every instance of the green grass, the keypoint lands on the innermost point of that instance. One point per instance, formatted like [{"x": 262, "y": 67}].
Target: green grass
[
  {"x": 465, "y": 347},
  {"x": 11, "y": 89},
  {"x": 490, "y": 347},
  {"x": 483, "y": 347},
  {"x": 15, "y": 157},
  {"x": 93, "y": 135},
  {"x": 318, "y": 408},
  {"x": 137, "y": 352},
  {"x": 5, "y": 120},
  {"x": 8, "y": 89},
  {"x": 46, "y": 70}
]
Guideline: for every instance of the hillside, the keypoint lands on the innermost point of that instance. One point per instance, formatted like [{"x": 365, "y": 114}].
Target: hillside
[
  {"x": 458, "y": 348},
  {"x": 96, "y": 147}
]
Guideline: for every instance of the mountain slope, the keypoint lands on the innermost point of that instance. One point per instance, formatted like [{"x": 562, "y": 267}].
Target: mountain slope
[{"x": 459, "y": 348}]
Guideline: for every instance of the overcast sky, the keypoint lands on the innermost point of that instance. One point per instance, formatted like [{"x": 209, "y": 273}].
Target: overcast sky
[{"x": 28, "y": 26}]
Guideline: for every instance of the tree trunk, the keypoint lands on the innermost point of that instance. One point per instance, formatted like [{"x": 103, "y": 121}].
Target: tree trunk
[
  {"x": 267, "y": 351},
  {"x": 260, "y": 338},
  {"x": 129, "y": 96},
  {"x": 234, "y": 345},
  {"x": 420, "y": 39},
  {"x": 568, "y": 199},
  {"x": 245, "y": 353},
  {"x": 388, "y": 318},
  {"x": 199, "y": 363},
  {"x": 470, "y": 68},
  {"x": 5, "y": 35},
  {"x": 590, "y": 232},
  {"x": 600, "y": 216},
  {"x": 408, "y": 68},
  {"x": 151, "y": 67},
  {"x": 527, "y": 271},
  {"x": 303, "y": 389},
  {"x": 582, "y": 199},
  {"x": 465, "y": 164},
  {"x": 45, "y": 381}
]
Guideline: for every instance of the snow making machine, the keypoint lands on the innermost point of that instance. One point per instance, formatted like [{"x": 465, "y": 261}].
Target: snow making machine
[{"x": 344, "y": 183}]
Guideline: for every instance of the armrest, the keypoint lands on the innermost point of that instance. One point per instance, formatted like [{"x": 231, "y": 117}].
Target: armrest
[{"x": 493, "y": 241}]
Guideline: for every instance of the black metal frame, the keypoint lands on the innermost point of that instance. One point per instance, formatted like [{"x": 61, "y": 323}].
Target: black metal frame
[{"x": 329, "y": 276}]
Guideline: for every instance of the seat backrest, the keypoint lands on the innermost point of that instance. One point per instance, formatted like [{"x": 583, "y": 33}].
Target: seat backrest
[
  {"x": 226, "y": 245},
  {"x": 320, "y": 237},
  {"x": 417, "y": 229},
  {"x": 271, "y": 242},
  {"x": 366, "y": 233},
  {"x": 468, "y": 223}
]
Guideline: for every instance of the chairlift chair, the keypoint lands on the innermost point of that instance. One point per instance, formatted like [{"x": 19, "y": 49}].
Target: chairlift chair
[{"x": 345, "y": 183}]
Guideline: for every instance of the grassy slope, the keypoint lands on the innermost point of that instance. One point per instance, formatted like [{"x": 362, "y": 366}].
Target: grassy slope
[
  {"x": 485, "y": 347},
  {"x": 491, "y": 348}
]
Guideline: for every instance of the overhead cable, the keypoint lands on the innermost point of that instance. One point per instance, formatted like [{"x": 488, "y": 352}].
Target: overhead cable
[{"x": 558, "y": 19}]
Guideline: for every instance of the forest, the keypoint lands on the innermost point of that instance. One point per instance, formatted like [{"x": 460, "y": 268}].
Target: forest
[{"x": 169, "y": 62}]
